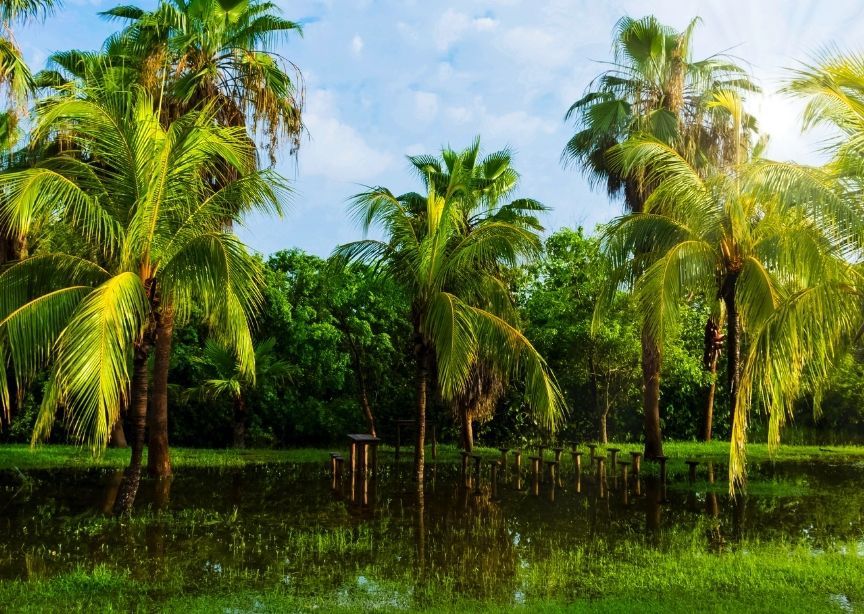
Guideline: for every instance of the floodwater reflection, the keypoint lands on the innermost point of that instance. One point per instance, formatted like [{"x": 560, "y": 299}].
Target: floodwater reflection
[{"x": 469, "y": 529}]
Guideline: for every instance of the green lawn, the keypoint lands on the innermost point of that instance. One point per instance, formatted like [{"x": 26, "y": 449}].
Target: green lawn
[{"x": 61, "y": 456}]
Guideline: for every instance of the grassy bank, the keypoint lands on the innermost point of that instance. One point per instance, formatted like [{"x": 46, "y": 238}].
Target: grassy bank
[{"x": 22, "y": 457}]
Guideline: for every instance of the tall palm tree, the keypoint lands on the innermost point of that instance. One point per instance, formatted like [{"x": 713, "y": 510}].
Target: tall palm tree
[
  {"x": 748, "y": 237},
  {"x": 653, "y": 87},
  {"x": 229, "y": 379},
  {"x": 489, "y": 181},
  {"x": 131, "y": 189},
  {"x": 219, "y": 53},
  {"x": 460, "y": 306}
]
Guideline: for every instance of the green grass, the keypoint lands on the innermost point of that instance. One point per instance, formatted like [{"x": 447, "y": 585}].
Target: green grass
[
  {"x": 682, "y": 577},
  {"x": 62, "y": 456}
]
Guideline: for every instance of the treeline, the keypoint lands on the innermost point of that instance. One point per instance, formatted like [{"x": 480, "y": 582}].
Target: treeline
[{"x": 341, "y": 338}]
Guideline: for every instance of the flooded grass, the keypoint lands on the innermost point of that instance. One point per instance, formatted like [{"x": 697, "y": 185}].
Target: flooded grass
[{"x": 274, "y": 536}]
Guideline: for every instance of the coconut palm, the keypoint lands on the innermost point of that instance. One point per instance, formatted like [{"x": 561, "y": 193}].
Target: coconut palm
[
  {"x": 195, "y": 52},
  {"x": 654, "y": 87},
  {"x": 131, "y": 189},
  {"x": 16, "y": 83},
  {"x": 229, "y": 379},
  {"x": 461, "y": 308},
  {"x": 489, "y": 180},
  {"x": 753, "y": 239}
]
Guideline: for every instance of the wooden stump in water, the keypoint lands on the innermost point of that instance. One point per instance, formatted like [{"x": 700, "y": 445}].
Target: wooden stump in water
[
  {"x": 592, "y": 447},
  {"x": 517, "y": 460},
  {"x": 577, "y": 460},
  {"x": 637, "y": 462},
  {"x": 692, "y": 475},
  {"x": 613, "y": 458},
  {"x": 662, "y": 461}
]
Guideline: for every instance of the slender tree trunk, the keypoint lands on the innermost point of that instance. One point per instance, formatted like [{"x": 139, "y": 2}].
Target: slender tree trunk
[
  {"x": 709, "y": 362},
  {"x": 595, "y": 396},
  {"x": 651, "y": 395},
  {"x": 158, "y": 454},
  {"x": 422, "y": 354},
  {"x": 118, "y": 435},
  {"x": 364, "y": 396},
  {"x": 239, "y": 422},
  {"x": 138, "y": 423},
  {"x": 733, "y": 373},
  {"x": 604, "y": 419},
  {"x": 467, "y": 430}
]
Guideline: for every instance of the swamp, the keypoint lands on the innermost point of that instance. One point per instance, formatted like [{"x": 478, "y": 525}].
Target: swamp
[{"x": 483, "y": 306}]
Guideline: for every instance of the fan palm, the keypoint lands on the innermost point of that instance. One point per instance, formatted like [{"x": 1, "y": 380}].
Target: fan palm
[
  {"x": 461, "y": 308},
  {"x": 751, "y": 237},
  {"x": 230, "y": 379},
  {"x": 131, "y": 189},
  {"x": 654, "y": 87}
]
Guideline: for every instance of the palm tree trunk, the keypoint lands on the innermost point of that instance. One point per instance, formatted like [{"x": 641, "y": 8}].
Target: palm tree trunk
[
  {"x": 118, "y": 435},
  {"x": 709, "y": 362},
  {"x": 604, "y": 418},
  {"x": 422, "y": 354},
  {"x": 138, "y": 422},
  {"x": 467, "y": 430},
  {"x": 158, "y": 454},
  {"x": 651, "y": 394},
  {"x": 239, "y": 422},
  {"x": 733, "y": 370}
]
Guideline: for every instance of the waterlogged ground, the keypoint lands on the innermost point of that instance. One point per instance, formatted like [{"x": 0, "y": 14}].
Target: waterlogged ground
[{"x": 287, "y": 537}]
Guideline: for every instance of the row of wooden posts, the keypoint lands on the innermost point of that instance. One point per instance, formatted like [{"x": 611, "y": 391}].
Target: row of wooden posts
[{"x": 363, "y": 458}]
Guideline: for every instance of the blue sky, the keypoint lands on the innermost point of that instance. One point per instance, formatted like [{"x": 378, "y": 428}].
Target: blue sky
[{"x": 390, "y": 78}]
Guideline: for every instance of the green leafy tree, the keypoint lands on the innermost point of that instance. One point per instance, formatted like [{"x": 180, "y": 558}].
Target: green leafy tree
[
  {"x": 599, "y": 367},
  {"x": 131, "y": 189},
  {"x": 459, "y": 306},
  {"x": 654, "y": 87}
]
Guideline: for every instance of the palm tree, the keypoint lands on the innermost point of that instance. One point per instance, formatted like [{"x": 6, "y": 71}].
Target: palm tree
[
  {"x": 461, "y": 308},
  {"x": 219, "y": 53},
  {"x": 747, "y": 236},
  {"x": 153, "y": 235},
  {"x": 17, "y": 84},
  {"x": 229, "y": 379},
  {"x": 222, "y": 53},
  {"x": 489, "y": 180},
  {"x": 653, "y": 87}
]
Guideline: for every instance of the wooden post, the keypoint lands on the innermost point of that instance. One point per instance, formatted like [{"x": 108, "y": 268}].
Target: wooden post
[
  {"x": 503, "y": 452},
  {"x": 613, "y": 458},
  {"x": 517, "y": 460},
  {"x": 692, "y": 464},
  {"x": 535, "y": 467},
  {"x": 662, "y": 461},
  {"x": 601, "y": 476},
  {"x": 352, "y": 460},
  {"x": 333, "y": 456},
  {"x": 637, "y": 462},
  {"x": 540, "y": 449},
  {"x": 577, "y": 460},
  {"x": 624, "y": 466},
  {"x": 592, "y": 447},
  {"x": 558, "y": 452},
  {"x": 364, "y": 458},
  {"x": 493, "y": 478}
]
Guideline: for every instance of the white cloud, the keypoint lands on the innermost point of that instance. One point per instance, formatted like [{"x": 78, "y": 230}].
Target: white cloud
[
  {"x": 516, "y": 126},
  {"x": 450, "y": 28},
  {"x": 336, "y": 150},
  {"x": 357, "y": 44},
  {"x": 426, "y": 105},
  {"x": 415, "y": 149},
  {"x": 484, "y": 24}
]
